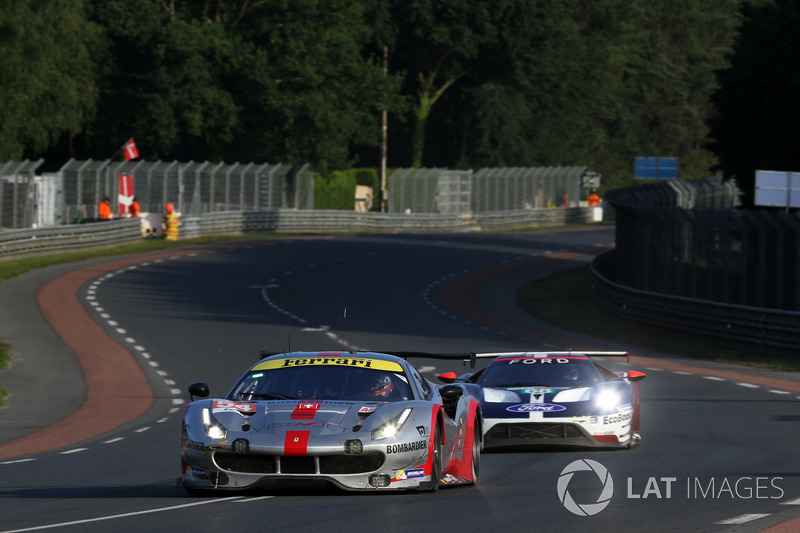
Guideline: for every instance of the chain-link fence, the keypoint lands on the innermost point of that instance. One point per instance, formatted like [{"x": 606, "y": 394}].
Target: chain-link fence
[
  {"x": 700, "y": 193},
  {"x": 486, "y": 190},
  {"x": 193, "y": 187},
  {"x": 18, "y": 193},
  {"x": 75, "y": 191},
  {"x": 684, "y": 239}
]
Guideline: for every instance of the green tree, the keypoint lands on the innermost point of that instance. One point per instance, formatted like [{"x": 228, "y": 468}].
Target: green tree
[
  {"x": 668, "y": 79},
  {"x": 648, "y": 68},
  {"x": 47, "y": 83},
  {"x": 314, "y": 90},
  {"x": 283, "y": 81},
  {"x": 543, "y": 114},
  {"x": 165, "y": 83},
  {"x": 521, "y": 83},
  {"x": 448, "y": 46},
  {"x": 471, "y": 82}
]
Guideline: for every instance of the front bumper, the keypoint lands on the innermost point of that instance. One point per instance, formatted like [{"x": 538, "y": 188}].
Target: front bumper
[
  {"x": 556, "y": 433},
  {"x": 220, "y": 469}
]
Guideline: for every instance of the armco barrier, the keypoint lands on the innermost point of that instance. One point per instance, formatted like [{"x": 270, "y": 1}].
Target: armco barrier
[
  {"x": 14, "y": 243},
  {"x": 28, "y": 241},
  {"x": 757, "y": 329},
  {"x": 331, "y": 221}
]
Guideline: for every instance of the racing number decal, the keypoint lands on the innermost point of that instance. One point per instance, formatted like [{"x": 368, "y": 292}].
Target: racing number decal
[{"x": 228, "y": 405}]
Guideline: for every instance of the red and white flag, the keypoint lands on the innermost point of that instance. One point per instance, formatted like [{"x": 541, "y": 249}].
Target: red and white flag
[{"x": 129, "y": 150}]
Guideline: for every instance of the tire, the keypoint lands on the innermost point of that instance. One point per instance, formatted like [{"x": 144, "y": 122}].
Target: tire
[
  {"x": 477, "y": 444},
  {"x": 436, "y": 471}
]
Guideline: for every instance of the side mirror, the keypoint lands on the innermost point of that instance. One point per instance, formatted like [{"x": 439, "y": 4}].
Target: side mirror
[
  {"x": 633, "y": 375},
  {"x": 451, "y": 392},
  {"x": 199, "y": 389},
  {"x": 447, "y": 377}
]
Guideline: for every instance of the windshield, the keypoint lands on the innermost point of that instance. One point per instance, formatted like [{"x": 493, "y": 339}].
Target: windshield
[
  {"x": 549, "y": 372},
  {"x": 322, "y": 382}
]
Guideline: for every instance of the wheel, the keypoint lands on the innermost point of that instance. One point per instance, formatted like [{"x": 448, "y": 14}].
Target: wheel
[
  {"x": 436, "y": 471},
  {"x": 476, "y": 453}
]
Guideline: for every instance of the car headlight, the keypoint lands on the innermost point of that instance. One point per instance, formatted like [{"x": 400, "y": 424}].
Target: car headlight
[
  {"x": 500, "y": 396},
  {"x": 606, "y": 400},
  {"x": 392, "y": 427},
  {"x": 573, "y": 395},
  {"x": 213, "y": 429}
]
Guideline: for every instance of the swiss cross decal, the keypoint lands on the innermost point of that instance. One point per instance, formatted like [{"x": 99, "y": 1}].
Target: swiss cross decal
[{"x": 306, "y": 410}]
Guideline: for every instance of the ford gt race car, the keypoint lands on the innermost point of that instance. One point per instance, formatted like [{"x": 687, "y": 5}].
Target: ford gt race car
[
  {"x": 360, "y": 420},
  {"x": 556, "y": 398}
]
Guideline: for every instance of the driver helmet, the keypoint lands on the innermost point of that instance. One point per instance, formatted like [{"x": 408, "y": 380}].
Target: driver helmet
[
  {"x": 381, "y": 386},
  {"x": 571, "y": 374}
]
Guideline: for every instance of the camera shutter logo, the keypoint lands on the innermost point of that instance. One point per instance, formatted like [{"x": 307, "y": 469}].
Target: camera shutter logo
[{"x": 587, "y": 509}]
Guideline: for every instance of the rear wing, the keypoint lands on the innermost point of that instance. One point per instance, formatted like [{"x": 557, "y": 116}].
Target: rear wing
[
  {"x": 627, "y": 355},
  {"x": 455, "y": 356},
  {"x": 472, "y": 357}
]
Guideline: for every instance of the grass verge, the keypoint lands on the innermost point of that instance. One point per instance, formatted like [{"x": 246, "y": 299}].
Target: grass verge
[
  {"x": 564, "y": 299},
  {"x": 11, "y": 268}
]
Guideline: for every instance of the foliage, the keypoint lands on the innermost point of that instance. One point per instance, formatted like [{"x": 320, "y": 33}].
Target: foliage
[
  {"x": 467, "y": 83},
  {"x": 283, "y": 81},
  {"x": 47, "y": 84},
  {"x": 335, "y": 191},
  {"x": 4, "y": 357}
]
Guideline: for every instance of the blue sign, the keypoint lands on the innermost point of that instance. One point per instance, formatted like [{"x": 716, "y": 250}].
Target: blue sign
[{"x": 656, "y": 168}]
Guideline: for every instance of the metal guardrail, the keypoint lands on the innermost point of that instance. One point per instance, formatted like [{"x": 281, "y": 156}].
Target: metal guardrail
[
  {"x": 684, "y": 238},
  {"x": 331, "y": 221},
  {"x": 28, "y": 241},
  {"x": 74, "y": 236},
  {"x": 688, "y": 261},
  {"x": 768, "y": 331}
]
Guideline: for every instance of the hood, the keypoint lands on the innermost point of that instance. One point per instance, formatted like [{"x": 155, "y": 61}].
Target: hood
[{"x": 321, "y": 417}]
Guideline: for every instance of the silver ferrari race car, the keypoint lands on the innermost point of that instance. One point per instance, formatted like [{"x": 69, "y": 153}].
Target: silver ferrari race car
[
  {"x": 356, "y": 420},
  {"x": 555, "y": 398}
]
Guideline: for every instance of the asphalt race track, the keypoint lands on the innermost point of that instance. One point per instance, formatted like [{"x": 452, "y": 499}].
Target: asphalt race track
[{"x": 90, "y": 441}]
